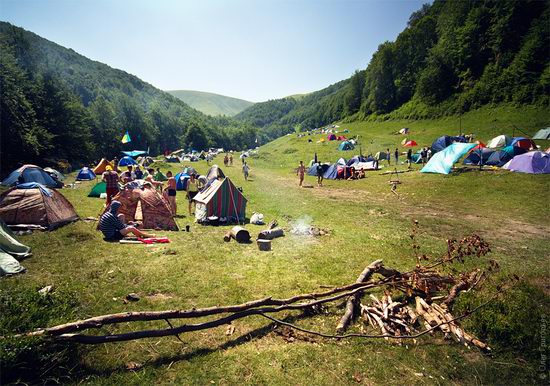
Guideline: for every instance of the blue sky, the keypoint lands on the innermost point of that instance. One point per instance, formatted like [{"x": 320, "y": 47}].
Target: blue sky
[{"x": 250, "y": 49}]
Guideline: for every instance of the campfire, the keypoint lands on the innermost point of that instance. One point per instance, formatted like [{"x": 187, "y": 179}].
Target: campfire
[{"x": 303, "y": 227}]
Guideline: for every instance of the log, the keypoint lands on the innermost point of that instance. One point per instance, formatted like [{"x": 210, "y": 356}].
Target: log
[
  {"x": 354, "y": 300},
  {"x": 270, "y": 234},
  {"x": 240, "y": 234}
]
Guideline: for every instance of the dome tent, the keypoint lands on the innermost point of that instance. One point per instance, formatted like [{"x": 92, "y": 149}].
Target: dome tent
[
  {"x": 444, "y": 141},
  {"x": 534, "y": 162},
  {"x": 85, "y": 174},
  {"x": 127, "y": 160},
  {"x": 181, "y": 180},
  {"x": 30, "y": 173},
  {"x": 499, "y": 141}
]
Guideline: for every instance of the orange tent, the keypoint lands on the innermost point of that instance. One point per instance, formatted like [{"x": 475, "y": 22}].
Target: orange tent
[
  {"x": 100, "y": 168},
  {"x": 410, "y": 144}
]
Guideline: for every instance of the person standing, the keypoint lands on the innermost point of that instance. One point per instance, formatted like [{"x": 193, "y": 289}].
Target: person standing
[
  {"x": 230, "y": 159},
  {"x": 409, "y": 158},
  {"x": 225, "y": 160},
  {"x": 192, "y": 189},
  {"x": 388, "y": 156},
  {"x": 301, "y": 172},
  {"x": 396, "y": 154},
  {"x": 171, "y": 192},
  {"x": 319, "y": 175},
  {"x": 246, "y": 171},
  {"x": 110, "y": 177}
]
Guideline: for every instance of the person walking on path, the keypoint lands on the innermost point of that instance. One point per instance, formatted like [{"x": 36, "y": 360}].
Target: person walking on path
[
  {"x": 319, "y": 175},
  {"x": 192, "y": 190},
  {"x": 111, "y": 180},
  {"x": 301, "y": 172},
  {"x": 246, "y": 170},
  {"x": 409, "y": 158},
  {"x": 230, "y": 159}
]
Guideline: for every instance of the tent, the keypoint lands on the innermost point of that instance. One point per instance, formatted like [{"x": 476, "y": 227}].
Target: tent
[
  {"x": 381, "y": 155},
  {"x": 346, "y": 145},
  {"x": 341, "y": 138},
  {"x": 542, "y": 134},
  {"x": 534, "y": 162},
  {"x": 85, "y": 174},
  {"x": 341, "y": 161},
  {"x": 443, "y": 161},
  {"x": 221, "y": 199},
  {"x": 100, "y": 168},
  {"x": 331, "y": 137},
  {"x": 134, "y": 153},
  {"x": 356, "y": 159},
  {"x": 444, "y": 141},
  {"x": 100, "y": 187},
  {"x": 173, "y": 159},
  {"x": 499, "y": 158},
  {"x": 524, "y": 143},
  {"x": 159, "y": 176},
  {"x": 30, "y": 173},
  {"x": 404, "y": 131},
  {"x": 146, "y": 205},
  {"x": 125, "y": 161},
  {"x": 331, "y": 173},
  {"x": 215, "y": 172},
  {"x": 344, "y": 172},
  {"x": 368, "y": 165},
  {"x": 477, "y": 156},
  {"x": 10, "y": 250},
  {"x": 55, "y": 174},
  {"x": 499, "y": 141},
  {"x": 312, "y": 171},
  {"x": 35, "y": 204},
  {"x": 189, "y": 170},
  {"x": 410, "y": 144},
  {"x": 181, "y": 180},
  {"x": 514, "y": 150}
]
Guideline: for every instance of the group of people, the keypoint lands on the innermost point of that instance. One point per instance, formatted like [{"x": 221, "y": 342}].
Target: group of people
[
  {"x": 228, "y": 160},
  {"x": 425, "y": 154}
]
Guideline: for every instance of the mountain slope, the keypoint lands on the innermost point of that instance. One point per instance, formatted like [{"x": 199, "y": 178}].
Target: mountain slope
[
  {"x": 453, "y": 56},
  {"x": 59, "y": 105},
  {"x": 210, "y": 103}
]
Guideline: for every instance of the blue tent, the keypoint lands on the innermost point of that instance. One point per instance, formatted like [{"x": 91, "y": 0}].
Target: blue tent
[
  {"x": 125, "y": 161},
  {"x": 312, "y": 171},
  {"x": 443, "y": 161},
  {"x": 331, "y": 173},
  {"x": 30, "y": 173},
  {"x": 499, "y": 158},
  {"x": 514, "y": 150},
  {"x": 478, "y": 156},
  {"x": 356, "y": 159},
  {"x": 134, "y": 153},
  {"x": 444, "y": 141},
  {"x": 85, "y": 174},
  {"x": 346, "y": 145},
  {"x": 181, "y": 181}
]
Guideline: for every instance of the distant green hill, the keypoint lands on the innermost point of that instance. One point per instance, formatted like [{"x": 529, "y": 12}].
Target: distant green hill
[{"x": 211, "y": 104}]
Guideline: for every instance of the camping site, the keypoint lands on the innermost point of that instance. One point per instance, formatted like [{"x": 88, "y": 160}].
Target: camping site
[{"x": 288, "y": 243}]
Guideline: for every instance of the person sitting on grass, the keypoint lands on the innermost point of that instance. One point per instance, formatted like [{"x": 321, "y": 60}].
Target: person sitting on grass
[
  {"x": 361, "y": 174},
  {"x": 113, "y": 227}
]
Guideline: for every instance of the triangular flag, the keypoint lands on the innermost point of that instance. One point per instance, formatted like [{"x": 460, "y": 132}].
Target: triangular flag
[{"x": 126, "y": 138}]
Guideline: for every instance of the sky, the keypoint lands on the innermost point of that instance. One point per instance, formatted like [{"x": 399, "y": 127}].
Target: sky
[{"x": 250, "y": 49}]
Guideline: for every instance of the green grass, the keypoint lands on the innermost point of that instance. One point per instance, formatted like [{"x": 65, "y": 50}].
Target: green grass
[
  {"x": 366, "y": 221},
  {"x": 211, "y": 104}
]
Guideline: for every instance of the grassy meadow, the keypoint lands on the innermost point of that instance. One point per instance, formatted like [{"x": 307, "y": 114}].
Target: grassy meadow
[{"x": 366, "y": 222}]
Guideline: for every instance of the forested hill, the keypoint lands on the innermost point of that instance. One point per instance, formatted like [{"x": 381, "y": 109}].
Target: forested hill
[
  {"x": 211, "y": 104},
  {"x": 57, "y": 104},
  {"x": 453, "y": 56}
]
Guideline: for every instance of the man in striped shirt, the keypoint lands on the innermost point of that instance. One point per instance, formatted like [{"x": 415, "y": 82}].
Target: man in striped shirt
[{"x": 111, "y": 224}]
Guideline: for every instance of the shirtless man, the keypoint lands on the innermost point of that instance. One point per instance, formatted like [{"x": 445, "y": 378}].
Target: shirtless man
[
  {"x": 301, "y": 172},
  {"x": 171, "y": 191}
]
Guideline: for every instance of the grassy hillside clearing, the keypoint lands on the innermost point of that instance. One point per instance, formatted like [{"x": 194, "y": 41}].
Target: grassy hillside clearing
[
  {"x": 210, "y": 103},
  {"x": 366, "y": 221}
]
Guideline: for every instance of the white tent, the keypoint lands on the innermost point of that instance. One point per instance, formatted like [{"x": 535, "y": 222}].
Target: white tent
[{"x": 499, "y": 141}]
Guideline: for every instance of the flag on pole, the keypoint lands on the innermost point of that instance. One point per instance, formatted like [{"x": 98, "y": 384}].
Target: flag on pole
[
  {"x": 126, "y": 138},
  {"x": 315, "y": 158}
]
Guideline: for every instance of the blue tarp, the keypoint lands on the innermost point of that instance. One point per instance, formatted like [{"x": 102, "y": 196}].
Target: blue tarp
[
  {"x": 443, "y": 161},
  {"x": 85, "y": 174},
  {"x": 30, "y": 173},
  {"x": 35, "y": 185},
  {"x": 477, "y": 156},
  {"x": 444, "y": 141},
  {"x": 134, "y": 153},
  {"x": 125, "y": 161}
]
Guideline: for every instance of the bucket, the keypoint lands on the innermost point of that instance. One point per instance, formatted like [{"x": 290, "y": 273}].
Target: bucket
[{"x": 264, "y": 245}]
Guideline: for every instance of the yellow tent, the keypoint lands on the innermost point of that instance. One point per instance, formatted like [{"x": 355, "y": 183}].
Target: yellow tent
[{"x": 100, "y": 168}]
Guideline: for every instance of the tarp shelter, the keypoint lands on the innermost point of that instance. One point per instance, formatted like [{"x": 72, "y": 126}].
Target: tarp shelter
[
  {"x": 442, "y": 162},
  {"x": 125, "y": 161},
  {"x": 10, "y": 251},
  {"x": 542, "y": 134},
  {"x": 499, "y": 141},
  {"x": 181, "y": 181},
  {"x": 478, "y": 156},
  {"x": 159, "y": 176},
  {"x": 410, "y": 144},
  {"x": 404, "y": 131},
  {"x": 444, "y": 141},
  {"x": 35, "y": 204},
  {"x": 30, "y": 173},
  {"x": 346, "y": 145},
  {"x": 85, "y": 174},
  {"x": 524, "y": 143},
  {"x": 331, "y": 137},
  {"x": 215, "y": 172},
  {"x": 55, "y": 174},
  {"x": 381, "y": 155},
  {"x": 100, "y": 187},
  {"x": 221, "y": 199},
  {"x": 499, "y": 158},
  {"x": 100, "y": 168},
  {"x": 146, "y": 205},
  {"x": 134, "y": 153},
  {"x": 534, "y": 162}
]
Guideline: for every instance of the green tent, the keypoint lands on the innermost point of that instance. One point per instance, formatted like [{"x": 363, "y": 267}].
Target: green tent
[
  {"x": 100, "y": 187},
  {"x": 160, "y": 177},
  {"x": 10, "y": 249}
]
